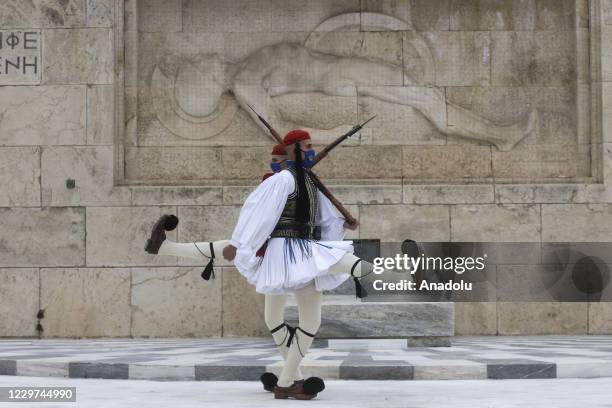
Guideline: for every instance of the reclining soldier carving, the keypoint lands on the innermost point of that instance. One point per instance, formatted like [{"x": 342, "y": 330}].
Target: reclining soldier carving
[{"x": 286, "y": 68}]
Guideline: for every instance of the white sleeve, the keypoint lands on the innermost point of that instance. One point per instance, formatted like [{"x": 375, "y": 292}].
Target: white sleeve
[
  {"x": 330, "y": 220},
  {"x": 260, "y": 213}
]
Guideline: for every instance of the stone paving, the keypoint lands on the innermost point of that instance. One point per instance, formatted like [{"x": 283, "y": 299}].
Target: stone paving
[
  {"x": 546, "y": 393},
  {"x": 234, "y": 359}
]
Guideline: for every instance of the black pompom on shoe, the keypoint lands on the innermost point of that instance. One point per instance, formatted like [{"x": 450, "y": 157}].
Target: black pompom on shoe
[
  {"x": 170, "y": 222},
  {"x": 269, "y": 381},
  {"x": 165, "y": 223},
  {"x": 313, "y": 385}
]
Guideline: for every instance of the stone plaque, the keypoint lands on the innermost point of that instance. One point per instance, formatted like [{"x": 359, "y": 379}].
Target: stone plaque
[
  {"x": 504, "y": 95},
  {"x": 20, "y": 57}
]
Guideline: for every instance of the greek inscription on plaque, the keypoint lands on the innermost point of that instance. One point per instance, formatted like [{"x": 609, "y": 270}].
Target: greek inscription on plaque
[{"x": 20, "y": 57}]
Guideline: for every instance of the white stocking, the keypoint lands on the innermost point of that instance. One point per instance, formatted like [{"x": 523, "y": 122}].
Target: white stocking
[
  {"x": 357, "y": 267},
  {"x": 274, "y": 313},
  {"x": 200, "y": 251},
  {"x": 346, "y": 263},
  {"x": 309, "y": 309}
]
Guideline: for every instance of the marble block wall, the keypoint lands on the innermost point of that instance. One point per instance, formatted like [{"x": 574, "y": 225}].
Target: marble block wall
[{"x": 94, "y": 147}]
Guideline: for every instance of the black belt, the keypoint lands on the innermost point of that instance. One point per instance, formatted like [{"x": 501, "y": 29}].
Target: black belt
[{"x": 297, "y": 231}]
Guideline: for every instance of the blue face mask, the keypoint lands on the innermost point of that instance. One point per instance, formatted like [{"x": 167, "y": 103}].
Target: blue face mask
[
  {"x": 309, "y": 156},
  {"x": 276, "y": 167}
]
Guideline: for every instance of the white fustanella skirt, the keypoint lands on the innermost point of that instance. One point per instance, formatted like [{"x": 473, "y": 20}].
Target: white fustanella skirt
[{"x": 291, "y": 263}]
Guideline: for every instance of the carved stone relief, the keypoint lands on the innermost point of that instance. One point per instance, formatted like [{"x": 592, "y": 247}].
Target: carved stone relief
[{"x": 431, "y": 87}]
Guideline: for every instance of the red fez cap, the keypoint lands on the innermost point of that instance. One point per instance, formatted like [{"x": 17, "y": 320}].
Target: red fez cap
[
  {"x": 279, "y": 150},
  {"x": 295, "y": 136}
]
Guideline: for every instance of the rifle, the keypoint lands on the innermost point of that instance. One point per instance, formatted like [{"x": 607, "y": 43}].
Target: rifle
[
  {"x": 345, "y": 213},
  {"x": 321, "y": 155},
  {"x": 315, "y": 179}
]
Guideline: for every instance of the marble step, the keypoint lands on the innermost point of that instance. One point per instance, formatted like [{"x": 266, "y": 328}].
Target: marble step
[{"x": 347, "y": 317}]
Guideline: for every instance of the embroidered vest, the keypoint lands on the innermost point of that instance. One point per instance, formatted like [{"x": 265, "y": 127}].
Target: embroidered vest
[{"x": 288, "y": 225}]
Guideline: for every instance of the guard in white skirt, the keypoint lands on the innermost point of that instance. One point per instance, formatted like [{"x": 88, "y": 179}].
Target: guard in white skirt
[
  {"x": 305, "y": 252},
  {"x": 296, "y": 252},
  {"x": 302, "y": 234}
]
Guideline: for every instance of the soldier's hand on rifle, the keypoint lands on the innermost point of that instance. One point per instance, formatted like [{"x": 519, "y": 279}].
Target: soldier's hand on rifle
[
  {"x": 352, "y": 227},
  {"x": 229, "y": 252}
]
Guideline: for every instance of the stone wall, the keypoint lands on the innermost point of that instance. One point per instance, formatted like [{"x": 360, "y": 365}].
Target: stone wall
[{"x": 88, "y": 160}]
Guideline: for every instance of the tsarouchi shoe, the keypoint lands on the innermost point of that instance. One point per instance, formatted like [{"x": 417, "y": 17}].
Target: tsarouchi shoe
[
  {"x": 295, "y": 391},
  {"x": 165, "y": 223},
  {"x": 269, "y": 381},
  {"x": 313, "y": 385}
]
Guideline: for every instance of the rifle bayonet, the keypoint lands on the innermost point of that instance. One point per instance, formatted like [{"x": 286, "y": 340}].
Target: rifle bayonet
[{"x": 339, "y": 140}]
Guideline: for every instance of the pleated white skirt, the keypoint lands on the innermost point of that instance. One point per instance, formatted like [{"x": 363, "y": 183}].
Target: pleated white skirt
[{"x": 291, "y": 263}]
